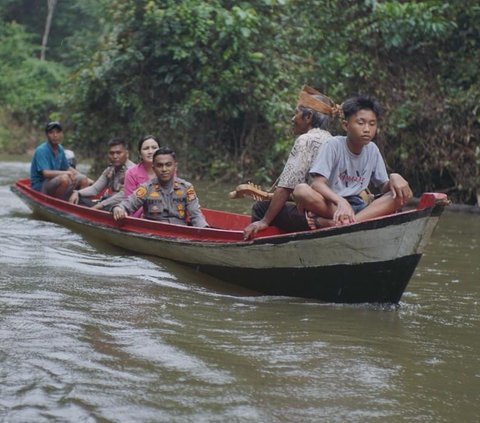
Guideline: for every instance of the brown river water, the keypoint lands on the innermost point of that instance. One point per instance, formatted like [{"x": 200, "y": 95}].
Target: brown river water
[{"x": 92, "y": 333}]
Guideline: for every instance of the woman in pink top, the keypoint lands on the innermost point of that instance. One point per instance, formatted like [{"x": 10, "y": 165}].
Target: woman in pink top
[{"x": 143, "y": 171}]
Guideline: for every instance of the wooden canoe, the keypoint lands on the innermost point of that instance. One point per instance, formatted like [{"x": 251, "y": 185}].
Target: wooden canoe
[{"x": 371, "y": 261}]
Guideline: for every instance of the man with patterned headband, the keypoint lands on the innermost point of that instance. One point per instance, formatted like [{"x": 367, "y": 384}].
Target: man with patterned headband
[{"x": 310, "y": 122}]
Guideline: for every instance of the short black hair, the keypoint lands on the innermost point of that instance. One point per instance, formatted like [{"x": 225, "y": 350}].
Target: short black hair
[
  {"x": 117, "y": 141},
  {"x": 53, "y": 125},
  {"x": 165, "y": 150},
  {"x": 361, "y": 102},
  {"x": 145, "y": 138}
]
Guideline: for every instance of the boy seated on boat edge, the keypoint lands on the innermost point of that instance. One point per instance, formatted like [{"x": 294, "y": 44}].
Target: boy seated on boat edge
[
  {"x": 345, "y": 167},
  {"x": 165, "y": 198},
  {"x": 110, "y": 182},
  {"x": 50, "y": 171}
]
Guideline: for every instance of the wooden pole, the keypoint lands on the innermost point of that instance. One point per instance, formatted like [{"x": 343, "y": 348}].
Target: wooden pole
[{"x": 51, "y": 7}]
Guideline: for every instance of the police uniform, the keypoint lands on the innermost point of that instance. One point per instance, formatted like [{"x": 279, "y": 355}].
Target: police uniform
[{"x": 172, "y": 204}]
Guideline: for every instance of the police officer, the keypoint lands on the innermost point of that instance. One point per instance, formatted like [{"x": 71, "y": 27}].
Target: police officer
[{"x": 165, "y": 198}]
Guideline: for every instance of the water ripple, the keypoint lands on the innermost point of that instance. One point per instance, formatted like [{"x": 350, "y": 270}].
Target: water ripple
[{"x": 92, "y": 333}]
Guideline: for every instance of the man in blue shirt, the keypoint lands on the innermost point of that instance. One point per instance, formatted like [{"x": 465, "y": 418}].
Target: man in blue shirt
[{"x": 50, "y": 172}]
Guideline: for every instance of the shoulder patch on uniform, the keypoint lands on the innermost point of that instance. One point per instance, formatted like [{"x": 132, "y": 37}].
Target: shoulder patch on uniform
[
  {"x": 140, "y": 192},
  {"x": 191, "y": 195}
]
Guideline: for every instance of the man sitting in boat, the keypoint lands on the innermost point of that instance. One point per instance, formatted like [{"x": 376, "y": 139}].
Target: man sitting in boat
[
  {"x": 110, "y": 182},
  {"x": 310, "y": 122},
  {"x": 50, "y": 172},
  {"x": 165, "y": 198},
  {"x": 345, "y": 167}
]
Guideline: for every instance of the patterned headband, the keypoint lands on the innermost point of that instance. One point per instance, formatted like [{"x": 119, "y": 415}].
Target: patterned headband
[{"x": 306, "y": 99}]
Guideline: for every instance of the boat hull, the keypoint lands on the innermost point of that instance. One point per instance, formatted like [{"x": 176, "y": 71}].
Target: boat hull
[
  {"x": 379, "y": 282},
  {"x": 371, "y": 261}
]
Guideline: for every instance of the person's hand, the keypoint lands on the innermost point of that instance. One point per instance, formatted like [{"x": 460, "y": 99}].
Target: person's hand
[
  {"x": 74, "y": 197},
  {"x": 72, "y": 174},
  {"x": 119, "y": 213},
  {"x": 344, "y": 213},
  {"x": 399, "y": 188},
  {"x": 251, "y": 230}
]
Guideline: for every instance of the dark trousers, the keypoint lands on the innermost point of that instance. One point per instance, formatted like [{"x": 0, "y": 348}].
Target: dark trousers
[
  {"x": 289, "y": 218},
  {"x": 85, "y": 201}
]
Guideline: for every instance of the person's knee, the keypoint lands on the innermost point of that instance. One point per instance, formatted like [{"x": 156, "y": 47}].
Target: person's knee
[
  {"x": 387, "y": 203},
  {"x": 82, "y": 182},
  {"x": 63, "y": 180},
  {"x": 300, "y": 191}
]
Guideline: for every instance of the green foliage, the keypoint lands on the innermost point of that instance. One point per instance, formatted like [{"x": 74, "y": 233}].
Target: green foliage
[
  {"x": 75, "y": 26},
  {"x": 29, "y": 88},
  {"x": 411, "y": 26},
  {"x": 217, "y": 79},
  {"x": 418, "y": 58},
  {"x": 208, "y": 77}
]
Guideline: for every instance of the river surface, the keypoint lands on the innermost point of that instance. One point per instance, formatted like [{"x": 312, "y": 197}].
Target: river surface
[{"x": 92, "y": 333}]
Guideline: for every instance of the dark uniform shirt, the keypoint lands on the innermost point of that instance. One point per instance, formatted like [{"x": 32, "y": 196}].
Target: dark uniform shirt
[{"x": 173, "y": 204}]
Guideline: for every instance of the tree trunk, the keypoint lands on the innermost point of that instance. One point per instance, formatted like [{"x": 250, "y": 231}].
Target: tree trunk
[{"x": 51, "y": 7}]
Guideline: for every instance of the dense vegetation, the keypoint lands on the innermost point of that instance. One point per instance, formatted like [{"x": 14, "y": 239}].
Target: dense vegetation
[{"x": 218, "y": 79}]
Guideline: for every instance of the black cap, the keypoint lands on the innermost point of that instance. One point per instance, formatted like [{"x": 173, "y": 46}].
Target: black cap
[{"x": 52, "y": 125}]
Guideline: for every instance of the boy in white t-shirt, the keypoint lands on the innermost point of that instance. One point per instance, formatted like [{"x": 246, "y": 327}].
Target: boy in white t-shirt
[{"x": 345, "y": 167}]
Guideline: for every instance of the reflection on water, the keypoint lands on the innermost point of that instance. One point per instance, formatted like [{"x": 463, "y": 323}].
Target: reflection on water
[{"x": 91, "y": 333}]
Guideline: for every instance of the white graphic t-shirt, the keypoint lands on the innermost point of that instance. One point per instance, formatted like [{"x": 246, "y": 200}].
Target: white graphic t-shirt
[{"x": 349, "y": 173}]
